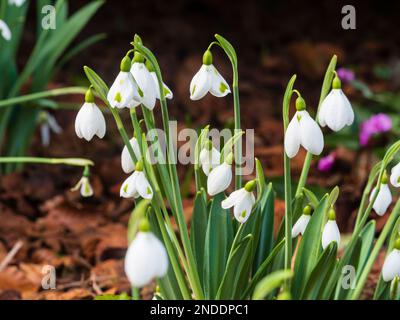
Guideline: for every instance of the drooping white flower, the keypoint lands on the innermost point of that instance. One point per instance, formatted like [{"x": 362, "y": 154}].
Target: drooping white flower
[
  {"x": 209, "y": 158},
  {"x": 331, "y": 231},
  {"x": 48, "y": 124},
  {"x": 124, "y": 92},
  {"x": 391, "y": 266},
  {"x": 395, "y": 176},
  {"x": 336, "y": 111},
  {"x": 383, "y": 199},
  {"x": 220, "y": 177},
  {"x": 167, "y": 91},
  {"x": 136, "y": 185},
  {"x": 303, "y": 130},
  {"x": 301, "y": 224},
  {"x": 5, "y": 30},
  {"x": 127, "y": 163},
  {"x": 89, "y": 120},
  {"x": 18, "y": 3},
  {"x": 208, "y": 79},
  {"x": 146, "y": 84},
  {"x": 84, "y": 186},
  {"x": 145, "y": 259},
  {"x": 242, "y": 201}
]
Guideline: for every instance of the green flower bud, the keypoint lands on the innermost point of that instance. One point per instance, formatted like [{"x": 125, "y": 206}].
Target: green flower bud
[
  {"x": 397, "y": 244},
  {"x": 149, "y": 66},
  {"x": 89, "y": 96},
  {"x": 208, "y": 145},
  {"x": 285, "y": 295},
  {"x": 139, "y": 165},
  {"x": 144, "y": 225},
  {"x": 207, "y": 58},
  {"x": 300, "y": 104},
  {"x": 126, "y": 64},
  {"x": 250, "y": 186},
  {"x": 307, "y": 210},
  {"x": 138, "y": 57},
  {"x": 336, "y": 83},
  {"x": 331, "y": 214},
  {"x": 385, "y": 178}
]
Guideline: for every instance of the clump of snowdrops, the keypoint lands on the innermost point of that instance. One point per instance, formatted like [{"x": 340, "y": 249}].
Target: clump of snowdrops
[{"x": 237, "y": 256}]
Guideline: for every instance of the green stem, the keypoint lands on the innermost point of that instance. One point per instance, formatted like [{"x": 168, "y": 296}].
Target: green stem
[
  {"x": 374, "y": 254},
  {"x": 238, "y": 146},
  {"x": 80, "y": 162},
  {"x": 41, "y": 95},
  {"x": 135, "y": 293}
]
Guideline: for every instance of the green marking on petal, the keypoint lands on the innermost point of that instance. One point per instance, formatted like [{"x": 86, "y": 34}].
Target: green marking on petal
[
  {"x": 125, "y": 188},
  {"x": 194, "y": 89},
  {"x": 166, "y": 91},
  {"x": 118, "y": 97},
  {"x": 243, "y": 214},
  {"x": 87, "y": 189},
  {"x": 140, "y": 92},
  {"x": 148, "y": 190},
  {"x": 298, "y": 117},
  {"x": 222, "y": 87}
]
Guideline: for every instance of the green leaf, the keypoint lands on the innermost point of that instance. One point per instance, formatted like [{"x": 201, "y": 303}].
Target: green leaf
[
  {"x": 311, "y": 197},
  {"x": 260, "y": 177},
  {"x": 97, "y": 83},
  {"x": 228, "y": 48},
  {"x": 270, "y": 283},
  {"x": 237, "y": 271},
  {"x": 218, "y": 242}
]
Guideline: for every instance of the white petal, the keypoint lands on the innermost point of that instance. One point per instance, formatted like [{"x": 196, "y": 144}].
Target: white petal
[
  {"x": 338, "y": 111},
  {"x": 312, "y": 138},
  {"x": 219, "y": 87},
  {"x": 5, "y": 30},
  {"x": 383, "y": 200},
  {"x": 128, "y": 187},
  {"x": 168, "y": 91},
  {"x": 90, "y": 121},
  {"x": 127, "y": 162},
  {"x": 331, "y": 233},
  {"x": 146, "y": 84},
  {"x": 292, "y": 137},
  {"x": 243, "y": 208},
  {"x": 300, "y": 225},
  {"x": 143, "y": 186},
  {"x": 200, "y": 84},
  {"x": 391, "y": 266},
  {"x": 219, "y": 179},
  {"x": 145, "y": 259},
  {"x": 124, "y": 91},
  {"x": 86, "y": 189},
  {"x": 209, "y": 159},
  {"x": 234, "y": 197},
  {"x": 395, "y": 175}
]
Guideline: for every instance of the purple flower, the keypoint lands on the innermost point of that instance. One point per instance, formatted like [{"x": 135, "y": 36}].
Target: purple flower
[
  {"x": 346, "y": 75},
  {"x": 378, "y": 123},
  {"x": 326, "y": 163}
]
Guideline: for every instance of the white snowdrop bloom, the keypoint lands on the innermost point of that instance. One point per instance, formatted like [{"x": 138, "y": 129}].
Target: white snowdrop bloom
[
  {"x": 146, "y": 258},
  {"x": 89, "y": 120},
  {"x": 5, "y": 30},
  {"x": 303, "y": 130},
  {"x": 84, "y": 187},
  {"x": 336, "y": 111},
  {"x": 127, "y": 163},
  {"x": 167, "y": 91},
  {"x": 209, "y": 158},
  {"x": 391, "y": 266},
  {"x": 124, "y": 92},
  {"x": 48, "y": 124},
  {"x": 331, "y": 231},
  {"x": 136, "y": 184},
  {"x": 147, "y": 87},
  {"x": 384, "y": 197},
  {"x": 242, "y": 201},
  {"x": 395, "y": 176},
  {"x": 18, "y": 3},
  {"x": 208, "y": 79},
  {"x": 220, "y": 177},
  {"x": 301, "y": 224}
]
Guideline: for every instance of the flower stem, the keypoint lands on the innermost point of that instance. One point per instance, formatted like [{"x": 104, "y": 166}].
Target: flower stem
[{"x": 79, "y": 162}]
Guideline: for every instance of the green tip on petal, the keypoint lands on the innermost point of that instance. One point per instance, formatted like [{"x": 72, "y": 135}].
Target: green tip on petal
[
  {"x": 332, "y": 214},
  {"x": 223, "y": 87},
  {"x": 307, "y": 210},
  {"x": 207, "y": 58},
  {"x": 336, "y": 83},
  {"x": 138, "y": 57},
  {"x": 249, "y": 186},
  {"x": 144, "y": 225},
  {"x": 126, "y": 63},
  {"x": 89, "y": 96},
  {"x": 300, "y": 104},
  {"x": 139, "y": 165}
]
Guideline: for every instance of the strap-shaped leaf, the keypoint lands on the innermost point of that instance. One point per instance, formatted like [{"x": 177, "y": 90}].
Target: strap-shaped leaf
[
  {"x": 97, "y": 83},
  {"x": 270, "y": 283}
]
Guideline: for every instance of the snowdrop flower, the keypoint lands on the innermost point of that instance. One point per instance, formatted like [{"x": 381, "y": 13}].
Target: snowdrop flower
[
  {"x": 5, "y": 30},
  {"x": 124, "y": 92},
  {"x": 48, "y": 123},
  {"x": 242, "y": 201},
  {"x": 136, "y": 184},
  {"x": 331, "y": 231},
  {"x": 391, "y": 266},
  {"x": 395, "y": 176},
  {"x": 336, "y": 111},
  {"x": 220, "y": 177},
  {"x": 147, "y": 87},
  {"x": 209, "y": 158},
  {"x": 167, "y": 91},
  {"x": 127, "y": 163},
  {"x": 384, "y": 197},
  {"x": 208, "y": 79},
  {"x": 84, "y": 185},
  {"x": 146, "y": 257},
  {"x": 303, "y": 130},
  {"x": 18, "y": 3},
  {"x": 89, "y": 120},
  {"x": 301, "y": 224}
]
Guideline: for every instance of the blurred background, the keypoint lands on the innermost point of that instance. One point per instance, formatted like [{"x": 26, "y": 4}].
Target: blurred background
[{"x": 85, "y": 239}]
